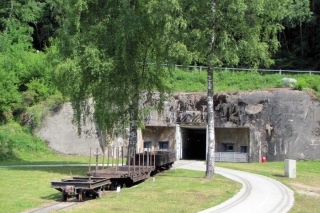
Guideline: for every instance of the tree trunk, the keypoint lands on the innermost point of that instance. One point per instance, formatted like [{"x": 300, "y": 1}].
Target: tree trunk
[
  {"x": 211, "y": 138},
  {"x": 133, "y": 138}
]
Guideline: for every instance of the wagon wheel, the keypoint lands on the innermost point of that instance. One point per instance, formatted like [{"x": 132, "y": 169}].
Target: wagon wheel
[
  {"x": 82, "y": 195},
  {"x": 99, "y": 195},
  {"x": 64, "y": 196}
]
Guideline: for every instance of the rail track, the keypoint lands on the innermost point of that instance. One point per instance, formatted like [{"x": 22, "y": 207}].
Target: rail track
[{"x": 54, "y": 206}]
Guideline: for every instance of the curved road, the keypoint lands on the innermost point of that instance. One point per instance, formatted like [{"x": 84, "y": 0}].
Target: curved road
[{"x": 258, "y": 193}]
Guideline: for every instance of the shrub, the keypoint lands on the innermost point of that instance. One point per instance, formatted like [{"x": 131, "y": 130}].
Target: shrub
[{"x": 300, "y": 85}]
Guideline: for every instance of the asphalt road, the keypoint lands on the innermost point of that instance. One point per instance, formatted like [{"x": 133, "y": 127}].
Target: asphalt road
[{"x": 258, "y": 193}]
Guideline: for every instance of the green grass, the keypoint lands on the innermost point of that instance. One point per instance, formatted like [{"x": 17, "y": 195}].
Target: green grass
[
  {"x": 234, "y": 81},
  {"x": 178, "y": 191},
  {"x": 173, "y": 191},
  {"x": 25, "y": 188},
  {"x": 308, "y": 176},
  {"x": 17, "y": 143}
]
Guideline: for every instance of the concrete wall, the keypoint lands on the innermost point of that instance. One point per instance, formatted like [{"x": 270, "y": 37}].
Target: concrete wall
[
  {"x": 237, "y": 136},
  {"x": 282, "y": 123},
  {"x": 62, "y": 136},
  {"x": 156, "y": 134}
]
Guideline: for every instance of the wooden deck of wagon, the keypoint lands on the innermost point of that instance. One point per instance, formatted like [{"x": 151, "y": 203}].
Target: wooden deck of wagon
[{"x": 140, "y": 168}]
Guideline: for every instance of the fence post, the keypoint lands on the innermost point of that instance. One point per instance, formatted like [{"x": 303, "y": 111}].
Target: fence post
[
  {"x": 234, "y": 157},
  {"x": 280, "y": 71},
  {"x": 309, "y": 72},
  {"x": 200, "y": 68}
]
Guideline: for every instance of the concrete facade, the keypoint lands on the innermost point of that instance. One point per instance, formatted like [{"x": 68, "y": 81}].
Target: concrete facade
[{"x": 277, "y": 124}]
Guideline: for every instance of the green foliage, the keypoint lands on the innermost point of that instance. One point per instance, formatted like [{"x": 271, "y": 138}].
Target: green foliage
[
  {"x": 308, "y": 81},
  {"x": 114, "y": 51},
  {"x": 35, "y": 115},
  {"x": 300, "y": 85},
  {"x": 17, "y": 142},
  {"x": 241, "y": 32},
  {"x": 25, "y": 74}
]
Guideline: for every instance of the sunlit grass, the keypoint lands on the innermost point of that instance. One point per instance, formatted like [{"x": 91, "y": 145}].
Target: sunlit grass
[
  {"x": 25, "y": 188},
  {"x": 173, "y": 191}
]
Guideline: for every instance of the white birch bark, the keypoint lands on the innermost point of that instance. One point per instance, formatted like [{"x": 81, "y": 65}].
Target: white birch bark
[{"x": 211, "y": 136}]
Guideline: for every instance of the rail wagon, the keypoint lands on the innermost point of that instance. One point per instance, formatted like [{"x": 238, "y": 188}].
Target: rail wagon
[{"x": 139, "y": 168}]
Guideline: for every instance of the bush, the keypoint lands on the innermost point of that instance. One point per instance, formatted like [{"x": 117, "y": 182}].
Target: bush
[{"x": 300, "y": 85}]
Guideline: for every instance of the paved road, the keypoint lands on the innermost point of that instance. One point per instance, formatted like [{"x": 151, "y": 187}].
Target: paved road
[{"x": 258, "y": 193}]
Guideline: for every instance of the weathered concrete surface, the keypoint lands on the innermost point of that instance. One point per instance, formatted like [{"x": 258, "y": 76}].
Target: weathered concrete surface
[
  {"x": 62, "y": 136},
  {"x": 283, "y": 123}
]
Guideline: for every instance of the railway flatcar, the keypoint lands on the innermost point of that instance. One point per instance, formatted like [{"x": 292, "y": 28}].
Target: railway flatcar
[{"x": 139, "y": 168}]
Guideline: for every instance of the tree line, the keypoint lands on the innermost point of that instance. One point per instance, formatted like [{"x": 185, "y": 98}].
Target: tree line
[{"x": 113, "y": 50}]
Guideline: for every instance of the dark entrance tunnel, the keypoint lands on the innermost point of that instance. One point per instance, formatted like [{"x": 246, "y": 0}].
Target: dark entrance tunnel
[
  {"x": 231, "y": 139},
  {"x": 193, "y": 144}
]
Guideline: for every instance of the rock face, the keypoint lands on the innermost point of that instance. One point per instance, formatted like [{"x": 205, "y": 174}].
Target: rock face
[{"x": 280, "y": 123}]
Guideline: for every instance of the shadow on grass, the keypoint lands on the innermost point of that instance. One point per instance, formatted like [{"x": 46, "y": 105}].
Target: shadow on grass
[
  {"x": 278, "y": 175},
  {"x": 54, "y": 197}
]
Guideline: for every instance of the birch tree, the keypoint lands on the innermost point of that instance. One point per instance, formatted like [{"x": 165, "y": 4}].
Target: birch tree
[
  {"x": 113, "y": 51},
  {"x": 244, "y": 32}
]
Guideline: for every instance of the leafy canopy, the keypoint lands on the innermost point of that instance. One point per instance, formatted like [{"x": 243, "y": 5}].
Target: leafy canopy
[{"x": 113, "y": 51}]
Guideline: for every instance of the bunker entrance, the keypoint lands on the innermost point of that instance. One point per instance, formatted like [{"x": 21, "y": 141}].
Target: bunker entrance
[
  {"x": 193, "y": 143},
  {"x": 231, "y": 139}
]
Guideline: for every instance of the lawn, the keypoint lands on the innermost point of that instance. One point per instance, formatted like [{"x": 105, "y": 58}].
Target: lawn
[
  {"x": 172, "y": 191},
  {"x": 178, "y": 190}
]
